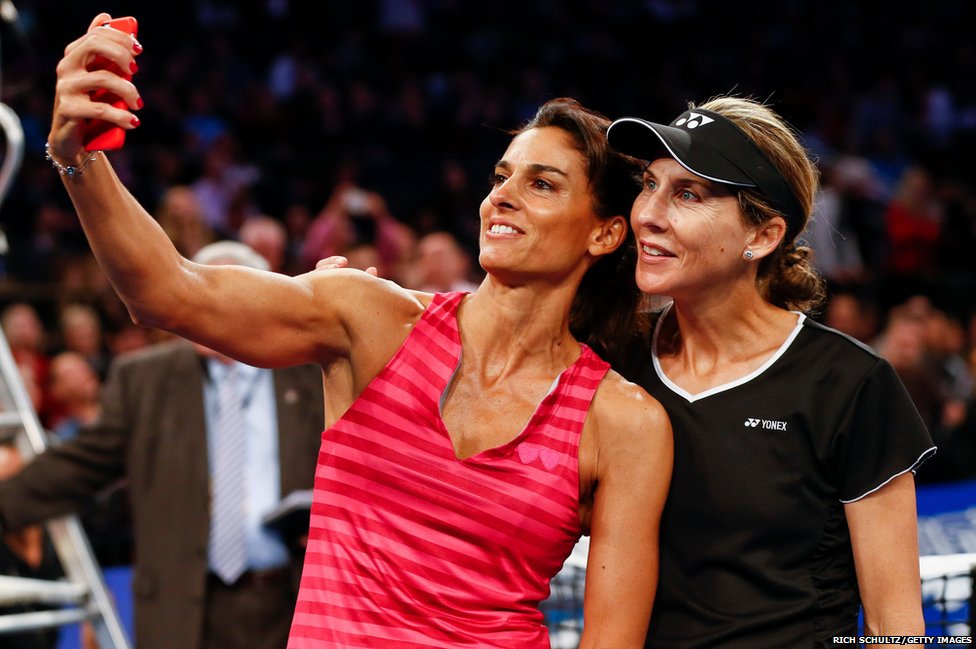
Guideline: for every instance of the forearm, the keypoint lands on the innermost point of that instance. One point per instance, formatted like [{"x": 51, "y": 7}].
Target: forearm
[
  {"x": 135, "y": 253},
  {"x": 906, "y": 621},
  {"x": 139, "y": 259},
  {"x": 884, "y": 537},
  {"x": 59, "y": 482}
]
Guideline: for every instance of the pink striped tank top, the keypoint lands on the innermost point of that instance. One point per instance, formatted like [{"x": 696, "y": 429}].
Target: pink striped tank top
[{"x": 410, "y": 546}]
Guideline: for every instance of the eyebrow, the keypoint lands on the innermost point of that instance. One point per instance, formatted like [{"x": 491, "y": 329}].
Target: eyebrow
[
  {"x": 535, "y": 168},
  {"x": 684, "y": 179}
]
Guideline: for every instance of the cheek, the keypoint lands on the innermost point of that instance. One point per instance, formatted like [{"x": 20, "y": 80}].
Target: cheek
[{"x": 484, "y": 211}]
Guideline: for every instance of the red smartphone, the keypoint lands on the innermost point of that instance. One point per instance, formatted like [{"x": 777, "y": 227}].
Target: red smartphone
[{"x": 100, "y": 135}]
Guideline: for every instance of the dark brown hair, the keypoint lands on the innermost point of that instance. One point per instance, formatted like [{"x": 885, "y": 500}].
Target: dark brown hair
[{"x": 604, "y": 312}]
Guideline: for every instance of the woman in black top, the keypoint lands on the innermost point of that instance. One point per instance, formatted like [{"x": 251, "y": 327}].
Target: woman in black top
[{"x": 793, "y": 497}]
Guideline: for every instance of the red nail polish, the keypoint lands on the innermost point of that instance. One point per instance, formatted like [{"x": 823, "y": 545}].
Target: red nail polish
[
  {"x": 136, "y": 46},
  {"x": 139, "y": 103},
  {"x": 134, "y": 67},
  {"x": 135, "y": 121}
]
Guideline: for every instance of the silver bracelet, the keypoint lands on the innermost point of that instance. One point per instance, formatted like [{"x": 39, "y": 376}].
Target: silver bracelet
[{"x": 70, "y": 171}]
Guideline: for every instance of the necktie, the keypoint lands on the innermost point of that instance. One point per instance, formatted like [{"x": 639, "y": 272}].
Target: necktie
[{"x": 228, "y": 552}]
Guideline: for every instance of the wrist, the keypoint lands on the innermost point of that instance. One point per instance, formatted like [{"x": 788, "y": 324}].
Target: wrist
[{"x": 70, "y": 167}]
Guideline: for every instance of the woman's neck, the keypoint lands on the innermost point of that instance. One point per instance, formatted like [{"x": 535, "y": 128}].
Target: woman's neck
[
  {"x": 505, "y": 327},
  {"x": 701, "y": 346}
]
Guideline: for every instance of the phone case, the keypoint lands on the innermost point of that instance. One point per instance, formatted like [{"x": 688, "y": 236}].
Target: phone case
[{"x": 100, "y": 135}]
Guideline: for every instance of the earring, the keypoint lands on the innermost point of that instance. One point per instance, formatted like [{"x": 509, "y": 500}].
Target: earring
[{"x": 748, "y": 255}]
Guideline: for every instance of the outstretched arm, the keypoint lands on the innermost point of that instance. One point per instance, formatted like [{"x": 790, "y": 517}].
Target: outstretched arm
[
  {"x": 260, "y": 318},
  {"x": 634, "y": 454}
]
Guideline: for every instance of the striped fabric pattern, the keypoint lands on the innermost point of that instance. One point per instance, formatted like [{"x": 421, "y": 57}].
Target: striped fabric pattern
[
  {"x": 228, "y": 520},
  {"x": 410, "y": 546}
]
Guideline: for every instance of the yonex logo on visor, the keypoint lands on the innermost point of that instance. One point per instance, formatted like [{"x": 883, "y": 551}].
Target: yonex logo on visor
[
  {"x": 694, "y": 120},
  {"x": 711, "y": 146}
]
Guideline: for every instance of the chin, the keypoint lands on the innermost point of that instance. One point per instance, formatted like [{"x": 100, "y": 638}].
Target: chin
[{"x": 651, "y": 284}]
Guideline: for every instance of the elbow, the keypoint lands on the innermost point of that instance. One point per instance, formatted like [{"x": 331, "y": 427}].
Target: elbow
[
  {"x": 147, "y": 316},
  {"x": 156, "y": 303},
  {"x": 909, "y": 622},
  {"x": 140, "y": 318}
]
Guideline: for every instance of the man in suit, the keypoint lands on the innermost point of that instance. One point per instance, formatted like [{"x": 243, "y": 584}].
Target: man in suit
[{"x": 160, "y": 409}]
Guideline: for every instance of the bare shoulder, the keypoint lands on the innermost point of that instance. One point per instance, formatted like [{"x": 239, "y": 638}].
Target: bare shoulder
[
  {"x": 624, "y": 413},
  {"x": 359, "y": 298},
  {"x": 625, "y": 459}
]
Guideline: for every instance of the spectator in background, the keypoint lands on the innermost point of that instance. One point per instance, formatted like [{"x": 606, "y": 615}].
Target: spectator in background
[
  {"x": 353, "y": 216},
  {"x": 847, "y": 229},
  {"x": 913, "y": 220},
  {"x": 130, "y": 337},
  {"x": 267, "y": 237},
  {"x": 74, "y": 385},
  {"x": 81, "y": 331},
  {"x": 903, "y": 342},
  {"x": 440, "y": 265},
  {"x": 224, "y": 187},
  {"x": 25, "y": 335},
  {"x": 181, "y": 217},
  {"x": 852, "y": 314},
  {"x": 947, "y": 347},
  {"x": 159, "y": 411},
  {"x": 75, "y": 388},
  {"x": 364, "y": 256},
  {"x": 26, "y": 338},
  {"x": 926, "y": 346}
]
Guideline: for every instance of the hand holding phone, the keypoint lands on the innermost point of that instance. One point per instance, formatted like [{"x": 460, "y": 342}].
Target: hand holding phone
[{"x": 101, "y": 135}]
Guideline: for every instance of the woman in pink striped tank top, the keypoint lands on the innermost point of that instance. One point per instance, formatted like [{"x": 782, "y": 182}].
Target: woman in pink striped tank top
[{"x": 472, "y": 438}]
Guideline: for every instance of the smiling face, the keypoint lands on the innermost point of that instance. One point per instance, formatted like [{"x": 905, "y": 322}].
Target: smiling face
[
  {"x": 690, "y": 232},
  {"x": 538, "y": 217}
]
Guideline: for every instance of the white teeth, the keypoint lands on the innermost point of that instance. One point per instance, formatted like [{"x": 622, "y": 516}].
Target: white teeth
[
  {"x": 502, "y": 229},
  {"x": 653, "y": 252}
]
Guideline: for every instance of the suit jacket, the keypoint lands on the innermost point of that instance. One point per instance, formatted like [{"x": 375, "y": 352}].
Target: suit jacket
[{"x": 152, "y": 429}]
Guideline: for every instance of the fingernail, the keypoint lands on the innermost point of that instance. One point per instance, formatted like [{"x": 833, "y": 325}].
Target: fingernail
[
  {"x": 135, "y": 121},
  {"x": 133, "y": 67},
  {"x": 136, "y": 46},
  {"x": 139, "y": 103}
]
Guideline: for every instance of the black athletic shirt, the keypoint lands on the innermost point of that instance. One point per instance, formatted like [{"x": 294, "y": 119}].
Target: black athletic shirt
[{"x": 755, "y": 550}]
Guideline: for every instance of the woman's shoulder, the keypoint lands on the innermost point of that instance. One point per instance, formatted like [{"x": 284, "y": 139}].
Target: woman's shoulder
[
  {"x": 352, "y": 289},
  {"x": 623, "y": 408},
  {"x": 824, "y": 340}
]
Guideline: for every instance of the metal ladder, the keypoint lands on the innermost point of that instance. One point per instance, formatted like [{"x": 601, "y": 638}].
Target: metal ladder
[{"x": 82, "y": 595}]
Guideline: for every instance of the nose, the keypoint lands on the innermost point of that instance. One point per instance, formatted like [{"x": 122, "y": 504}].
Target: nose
[
  {"x": 649, "y": 212},
  {"x": 502, "y": 196}
]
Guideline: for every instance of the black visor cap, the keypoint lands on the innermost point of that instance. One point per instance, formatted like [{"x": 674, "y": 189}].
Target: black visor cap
[{"x": 711, "y": 146}]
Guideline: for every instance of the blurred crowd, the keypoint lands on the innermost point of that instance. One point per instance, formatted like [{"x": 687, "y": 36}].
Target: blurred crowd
[{"x": 362, "y": 128}]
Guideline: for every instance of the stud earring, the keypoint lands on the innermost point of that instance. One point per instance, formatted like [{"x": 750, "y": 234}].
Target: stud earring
[{"x": 748, "y": 255}]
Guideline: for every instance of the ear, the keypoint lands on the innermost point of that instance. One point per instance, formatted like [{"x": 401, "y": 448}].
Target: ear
[
  {"x": 608, "y": 235},
  {"x": 767, "y": 237}
]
